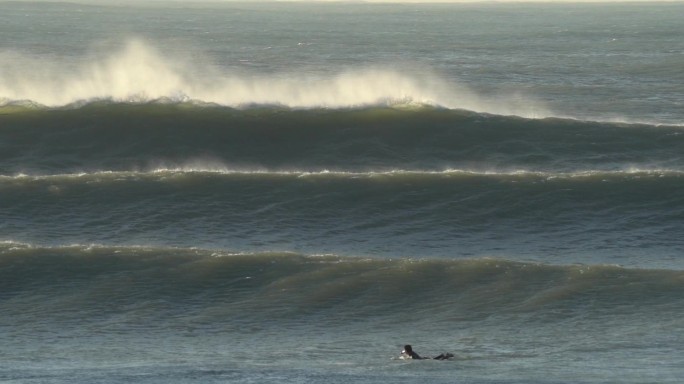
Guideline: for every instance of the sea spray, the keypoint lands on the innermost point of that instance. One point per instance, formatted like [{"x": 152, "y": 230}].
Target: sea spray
[{"x": 138, "y": 72}]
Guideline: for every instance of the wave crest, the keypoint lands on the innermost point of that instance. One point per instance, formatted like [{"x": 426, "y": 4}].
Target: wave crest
[
  {"x": 138, "y": 72},
  {"x": 196, "y": 167}
]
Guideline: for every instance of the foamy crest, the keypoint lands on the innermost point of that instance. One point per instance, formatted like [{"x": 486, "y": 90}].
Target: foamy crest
[{"x": 140, "y": 73}]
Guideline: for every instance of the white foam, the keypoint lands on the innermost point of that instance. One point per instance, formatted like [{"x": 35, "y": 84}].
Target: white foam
[
  {"x": 139, "y": 73},
  {"x": 196, "y": 167}
]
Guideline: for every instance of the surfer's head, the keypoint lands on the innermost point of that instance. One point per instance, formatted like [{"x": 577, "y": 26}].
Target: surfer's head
[{"x": 407, "y": 353}]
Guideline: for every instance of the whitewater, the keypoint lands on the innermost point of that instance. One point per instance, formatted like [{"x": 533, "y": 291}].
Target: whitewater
[
  {"x": 257, "y": 192},
  {"x": 139, "y": 73}
]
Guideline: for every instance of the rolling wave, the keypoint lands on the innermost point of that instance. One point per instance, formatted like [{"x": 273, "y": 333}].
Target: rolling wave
[
  {"x": 123, "y": 137},
  {"x": 289, "y": 284}
]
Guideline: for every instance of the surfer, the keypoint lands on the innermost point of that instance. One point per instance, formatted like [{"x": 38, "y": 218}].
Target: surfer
[{"x": 409, "y": 353}]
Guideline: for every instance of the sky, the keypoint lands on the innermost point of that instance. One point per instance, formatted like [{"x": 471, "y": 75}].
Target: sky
[
  {"x": 373, "y": 1},
  {"x": 485, "y": 1}
]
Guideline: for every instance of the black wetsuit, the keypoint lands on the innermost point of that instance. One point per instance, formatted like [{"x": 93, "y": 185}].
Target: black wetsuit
[
  {"x": 412, "y": 355},
  {"x": 408, "y": 353},
  {"x": 444, "y": 356}
]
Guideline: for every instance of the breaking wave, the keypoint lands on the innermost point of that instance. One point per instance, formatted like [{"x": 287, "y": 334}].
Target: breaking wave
[{"x": 139, "y": 73}]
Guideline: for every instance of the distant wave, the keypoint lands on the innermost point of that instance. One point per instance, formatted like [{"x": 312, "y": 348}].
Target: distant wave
[{"x": 139, "y": 73}]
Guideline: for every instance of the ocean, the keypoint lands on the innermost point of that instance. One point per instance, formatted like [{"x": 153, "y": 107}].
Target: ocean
[{"x": 290, "y": 192}]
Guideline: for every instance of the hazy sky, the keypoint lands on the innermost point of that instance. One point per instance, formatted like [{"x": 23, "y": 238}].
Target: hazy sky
[
  {"x": 370, "y": 1},
  {"x": 478, "y": 1},
  {"x": 449, "y": 1}
]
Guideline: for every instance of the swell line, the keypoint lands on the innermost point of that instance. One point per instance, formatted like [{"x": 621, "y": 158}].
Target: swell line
[
  {"x": 162, "y": 174},
  {"x": 268, "y": 277}
]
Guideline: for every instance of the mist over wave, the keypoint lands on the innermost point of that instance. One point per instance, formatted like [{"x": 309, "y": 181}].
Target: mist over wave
[{"x": 138, "y": 72}]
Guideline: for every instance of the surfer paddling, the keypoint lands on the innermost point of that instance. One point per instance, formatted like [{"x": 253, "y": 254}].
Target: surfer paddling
[{"x": 409, "y": 353}]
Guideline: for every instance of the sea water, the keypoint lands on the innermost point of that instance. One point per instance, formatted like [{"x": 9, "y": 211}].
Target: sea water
[{"x": 290, "y": 192}]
